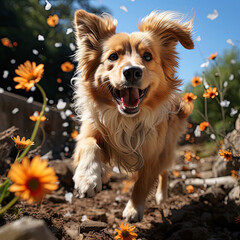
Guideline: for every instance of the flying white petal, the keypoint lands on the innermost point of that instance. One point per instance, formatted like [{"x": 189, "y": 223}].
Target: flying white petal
[
  {"x": 124, "y": 8},
  {"x": 233, "y": 112},
  {"x": 198, "y": 39},
  {"x": 205, "y": 64},
  {"x": 5, "y": 74},
  {"x": 205, "y": 84},
  {"x": 231, "y": 77},
  {"x": 48, "y": 5},
  {"x": 69, "y": 30},
  {"x": 197, "y": 131},
  {"x": 40, "y": 38},
  {"x": 224, "y": 103},
  {"x": 58, "y": 44},
  {"x": 229, "y": 41},
  {"x": 225, "y": 84},
  {"x": 213, "y": 15}
]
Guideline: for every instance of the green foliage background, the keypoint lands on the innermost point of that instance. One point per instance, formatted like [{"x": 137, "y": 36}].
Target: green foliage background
[
  {"x": 22, "y": 21},
  {"x": 219, "y": 70}
]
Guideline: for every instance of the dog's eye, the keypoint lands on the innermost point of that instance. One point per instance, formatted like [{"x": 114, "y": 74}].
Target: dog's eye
[
  {"x": 113, "y": 57},
  {"x": 147, "y": 56}
]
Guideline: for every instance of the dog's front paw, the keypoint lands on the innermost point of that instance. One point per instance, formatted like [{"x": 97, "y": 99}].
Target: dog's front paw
[
  {"x": 133, "y": 213},
  {"x": 88, "y": 180}
]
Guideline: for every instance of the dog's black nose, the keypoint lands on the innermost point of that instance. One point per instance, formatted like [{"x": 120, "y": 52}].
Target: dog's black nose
[{"x": 132, "y": 73}]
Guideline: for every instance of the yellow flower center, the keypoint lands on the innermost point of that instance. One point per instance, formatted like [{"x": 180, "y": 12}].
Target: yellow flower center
[
  {"x": 125, "y": 233},
  {"x": 31, "y": 78},
  {"x": 33, "y": 184}
]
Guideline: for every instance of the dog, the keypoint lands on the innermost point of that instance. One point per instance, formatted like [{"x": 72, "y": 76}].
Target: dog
[{"x": 127, "y": 99}]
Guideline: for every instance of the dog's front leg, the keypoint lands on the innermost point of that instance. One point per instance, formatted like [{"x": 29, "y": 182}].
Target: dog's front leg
[
  {"x": 88, "y": 158},
  {"x": 134, "y": 209}
]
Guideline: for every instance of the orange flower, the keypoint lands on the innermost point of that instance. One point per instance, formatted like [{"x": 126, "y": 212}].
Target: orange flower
[
  {"x": 67, "y": 67},
  {"x": 226, "y": 155},
  {"x": 234, "y": 174},
  {"x": 74, "y": 134},
  {"x": 32, "y": 180},
  {"x": 187, "y": 137},
  {"x": 210, "y": 93},
  {"x": 188, "y": 156},
  {"x": 203, "y": 126},
  {"x": 22, "y": 144},
  {"x": 125, "y": 232},
  {"x": 196, "y": 81},
  {"x": 190, "y": 189},
  {"x": 59, "y": 80},
  {"x": 189, "y": 97},
  {"x": 52, "y": 21},
  {"x": 176, "y": 173},
  {"x": 29, "y": 74},
  {"x": 237, "y": 219},
  {"x": 6, "y": 42},
  {"x": 213, "y": 56},
  {"x": 35, "y": 117}
]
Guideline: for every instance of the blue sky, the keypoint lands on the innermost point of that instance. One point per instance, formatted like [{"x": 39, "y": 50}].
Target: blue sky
[{"x": 213, "y": 33}]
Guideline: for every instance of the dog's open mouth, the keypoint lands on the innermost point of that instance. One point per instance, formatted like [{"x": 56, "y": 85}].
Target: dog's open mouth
[{"x": 129, "y": 98}]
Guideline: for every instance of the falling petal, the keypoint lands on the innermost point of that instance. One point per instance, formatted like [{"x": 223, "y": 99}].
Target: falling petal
[
  {"x": 233, "y": 61},
  {"x": 15, "y": 110},
  {"x": 58, "y": 44},
  {"x": 66, "y": 149},
  {"x": 116, "y": 169},
  {"x": 33, "y": 89},
  {"x": 229, "y": 41},
  {"x": 1, "y": 90},
  {"x": 30, "y": 100},
  {"x": 68, "y": 112},
  {"x": 47, "y": 109},
  {"x": 197, "y": 131},
  {"x": 72, "y": 46},
  {"x": 60, "y": 89},
  {"x": 231, "y": 77},
  {"x": 65, "y": 134},
  {"x": 69, "y": 30},
  {"x": 233, "y": 112},
  {"x": 13, "y": 61},
  {"x": 65, "y": 124},
  {"x": 225, "y": 84},
  {"x": 84, "y": 218},
  {"x": 63, "y": 116},
  {"x": 224, "y": 103},
  {"x": 205, "y": 64},
  {"x": 35, "y": 51},
  {"x": 205, "y": 84},
  {"x": 68, "y": 214},
  {"x": 198, "y": 39},
  {"x": 212, "y": 136},
  {"x": 9, "y": 88},
  {"x": 5, "y": 74},
  {"x": 48, "y": 5},
  {"x": 68, "y": 197},
  {"x": 61, "y": 104},
  {"x": 40, "y": 38},
  {"x": 51, "y": 101},
  {"x": 124, "y": 8},
  {"x": 213, "y": 15}
]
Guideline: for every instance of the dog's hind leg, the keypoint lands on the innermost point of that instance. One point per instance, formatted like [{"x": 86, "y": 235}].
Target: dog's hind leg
[{"x": 162, "y": 188}]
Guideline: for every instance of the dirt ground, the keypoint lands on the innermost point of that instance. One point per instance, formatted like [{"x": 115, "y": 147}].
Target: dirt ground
[{"x": 183, "y": 216}]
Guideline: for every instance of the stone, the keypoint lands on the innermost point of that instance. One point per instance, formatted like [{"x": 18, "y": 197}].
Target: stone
[
  {"x": 64, "y": 171},
  {"x": 88, "y": 226},
  {"x": 234, "y": 195},
  {"x": 213, "y": 195},
  {"x": 26, "y": 228},
  {"x": 71, "y": 229}
]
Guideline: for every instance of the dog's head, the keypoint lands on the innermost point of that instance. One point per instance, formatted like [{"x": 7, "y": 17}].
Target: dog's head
[{"x": 134, "y": 70}]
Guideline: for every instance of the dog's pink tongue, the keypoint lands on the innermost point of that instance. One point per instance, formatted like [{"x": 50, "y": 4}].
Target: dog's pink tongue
[{"x": 130, "y": 97}]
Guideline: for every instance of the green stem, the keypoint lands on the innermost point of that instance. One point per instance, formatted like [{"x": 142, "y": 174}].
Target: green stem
[
  {"x": 17, "y": 155},
  {"x": 205, "y": 108},
  {"x": 4, "y": 187},
  {"x": 37, "y": 123},
  {"x": 6, "y": 207}
]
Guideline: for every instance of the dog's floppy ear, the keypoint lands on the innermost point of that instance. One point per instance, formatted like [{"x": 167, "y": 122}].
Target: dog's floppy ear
[
  {"x": 92, "y": 28},
  {"x": 168, "y": 29}
]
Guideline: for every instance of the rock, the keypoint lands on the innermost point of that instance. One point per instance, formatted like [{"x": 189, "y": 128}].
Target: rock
[
  {"x": 206, "y": 174},
  {"x": 71, "y": 229},
  {"x": 213, "y": 195},
  {"x": 64, "y": 171},
  {"x": 234, "y": 195},
  {"x": 88, "y": 226},
  {"x": 26, "y": 228}
]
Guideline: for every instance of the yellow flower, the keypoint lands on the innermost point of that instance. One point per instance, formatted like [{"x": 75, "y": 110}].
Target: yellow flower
[
  {"x": 29, "y": 74},
  {"x": 34, "y": 118},
  {"x": 32, "y": 180},
  {"x": 22, "y": 144},
  {"x": 52, "y": 21},
  {"x": 210, "y": 93},
  {"x": 189, "y": 97},
  {"x": 188, "y": 156},
  {"x": 213, "y": 56},
  {"x": 125, "y": 232},
  {"x": 74, "y": 134},
  {"x": 6, "y": 42},
  {"x": 226, "y": 155},
  {"x": 196, "y": 81},
  {"x": 234, "y": 174},
  {"x": 67, "y": 67},
  {"x": 203, "y": 126}
]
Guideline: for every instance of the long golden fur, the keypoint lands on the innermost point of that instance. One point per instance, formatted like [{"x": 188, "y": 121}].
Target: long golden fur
[{"x": 127, "y": 98}]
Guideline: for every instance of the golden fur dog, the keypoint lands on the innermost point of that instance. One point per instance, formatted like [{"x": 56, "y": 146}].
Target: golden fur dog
[{"x": 126, "y": 95}]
